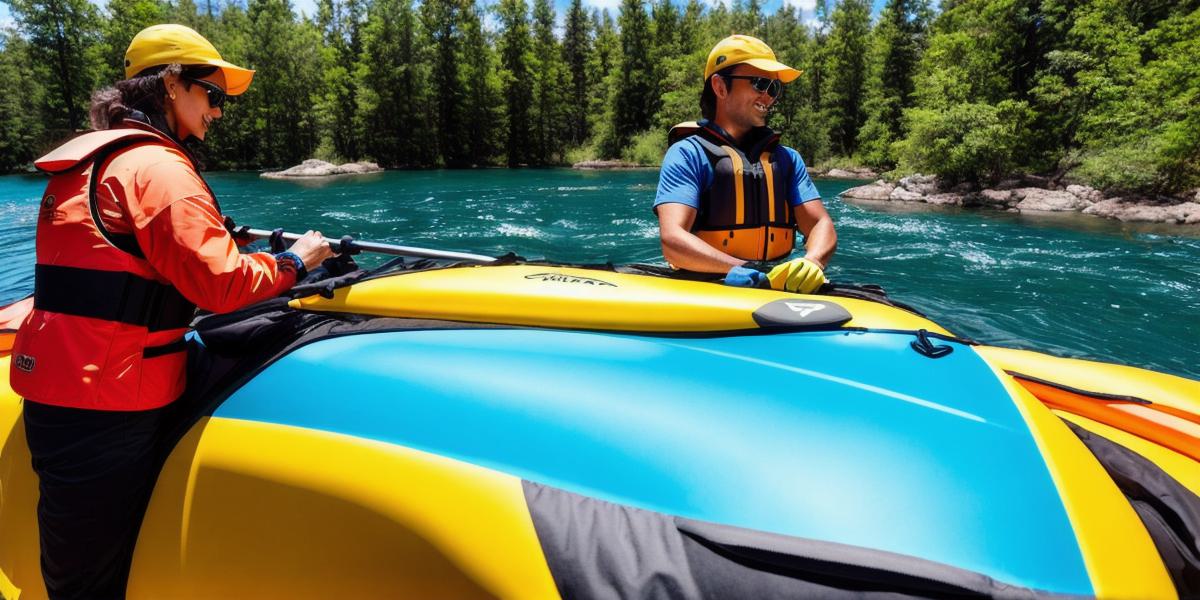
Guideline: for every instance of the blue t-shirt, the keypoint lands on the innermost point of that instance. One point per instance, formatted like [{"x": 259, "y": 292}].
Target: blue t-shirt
[{"x": 686, "y": 172}]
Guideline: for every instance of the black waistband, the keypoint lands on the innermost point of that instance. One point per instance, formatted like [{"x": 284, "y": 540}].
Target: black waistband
[{"x": 111, "y": 296}]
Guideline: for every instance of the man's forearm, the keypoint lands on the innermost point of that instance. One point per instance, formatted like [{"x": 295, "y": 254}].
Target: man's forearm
[
  {"x": 821, "y": 242},
  {"x": 686, "y": 251}
]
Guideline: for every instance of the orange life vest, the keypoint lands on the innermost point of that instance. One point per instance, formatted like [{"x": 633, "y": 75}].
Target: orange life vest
[
  {"x": 746, "y": 211},
  {"x": 106, "y": 330}
]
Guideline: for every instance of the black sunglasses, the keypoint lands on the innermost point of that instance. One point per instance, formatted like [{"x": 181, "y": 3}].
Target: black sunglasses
[
  {"x": 216, "y": 95},
  {"x": 760, "y": 84}
]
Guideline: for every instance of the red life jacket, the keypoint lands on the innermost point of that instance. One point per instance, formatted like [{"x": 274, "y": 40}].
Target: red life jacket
[{"x": 106, "y": 330}]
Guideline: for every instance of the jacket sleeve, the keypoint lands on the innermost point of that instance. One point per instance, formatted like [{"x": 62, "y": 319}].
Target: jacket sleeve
[{"x": 185, "y": 241}]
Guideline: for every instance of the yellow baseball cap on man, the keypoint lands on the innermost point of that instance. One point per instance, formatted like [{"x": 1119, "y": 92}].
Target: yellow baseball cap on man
[
  {"x": 743, "y": 49},
  {"x": 159, "y": 45}
]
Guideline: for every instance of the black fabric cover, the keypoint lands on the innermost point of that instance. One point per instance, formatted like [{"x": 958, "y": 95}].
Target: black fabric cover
[
  {"x": 597, "y": 549},
  {"x": 1170, "y": 512}
]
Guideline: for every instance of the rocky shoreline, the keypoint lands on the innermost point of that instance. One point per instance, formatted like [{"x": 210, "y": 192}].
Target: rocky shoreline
[
  {"x": 598, "y": 165},
  {"x": 319, "y": 168},
  {"x": 1034, "y": 194}
]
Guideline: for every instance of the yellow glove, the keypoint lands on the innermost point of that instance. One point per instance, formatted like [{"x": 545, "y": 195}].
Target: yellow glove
[{"x": 800, "y": 275}]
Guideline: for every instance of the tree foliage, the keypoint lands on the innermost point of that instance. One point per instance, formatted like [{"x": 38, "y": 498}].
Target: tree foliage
[{"x": 1105, "y": 92}]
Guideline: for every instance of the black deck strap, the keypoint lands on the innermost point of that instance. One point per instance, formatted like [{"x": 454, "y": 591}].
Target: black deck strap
[
  {"x": 924, "y": 346},
  {"x": 162, "y": 350},
  {"x": 598, "y": 549},
  {"x": 1081, "y": 392},
  {"x": 276, "y": 241},
  {"x": 1170, "y": 511},
  {"x": 111, "y": 296},
  {"x": 240, "y": 235}
]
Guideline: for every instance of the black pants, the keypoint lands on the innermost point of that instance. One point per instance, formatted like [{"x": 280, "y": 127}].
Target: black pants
[{"x": 96, "y": 470}]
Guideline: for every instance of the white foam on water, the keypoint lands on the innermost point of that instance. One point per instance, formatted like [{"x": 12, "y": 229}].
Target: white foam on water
[{"x": 508, "y": 229}]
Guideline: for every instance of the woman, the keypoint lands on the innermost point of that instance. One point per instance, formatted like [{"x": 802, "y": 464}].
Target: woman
[{"x": 130, "y": 241}]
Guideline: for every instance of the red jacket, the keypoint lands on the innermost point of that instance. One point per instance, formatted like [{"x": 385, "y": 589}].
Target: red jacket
[{"x": 112, "y": 303}]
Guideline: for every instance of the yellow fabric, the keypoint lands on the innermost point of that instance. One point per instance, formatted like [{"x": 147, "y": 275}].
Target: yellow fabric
[
  {"x": 20, "y": 569},
  {"x": 568, "y": 298},
  {"x": 1118, "y": 553},
  {"x": 246, "y": 509},
  {"x": 159, "y": 45},
  {"x": 738, "y": 49},
  {"x": 799, "y": 275},
  {"x": 1159, "y": 388}
]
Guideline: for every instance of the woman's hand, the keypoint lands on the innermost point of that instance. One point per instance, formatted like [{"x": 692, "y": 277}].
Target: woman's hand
[{"x": 312, "y": 249}]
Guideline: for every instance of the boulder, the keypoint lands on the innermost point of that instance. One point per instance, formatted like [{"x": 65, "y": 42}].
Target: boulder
[
  {"x": 902, "y": 195},
  {"x": 880, "y": 190},
  {"x": 1125, "y": 209},
  {"x": 996, "y": 198},
  {"x": 1089, "y": 194},
  {"x": 1037, "y": 199},
  {"x": 319, "y": 168},
  {"x": 605, "y": 164},
  {"x": 920, "y": 184},
  {"x": 945, "y": 199}
]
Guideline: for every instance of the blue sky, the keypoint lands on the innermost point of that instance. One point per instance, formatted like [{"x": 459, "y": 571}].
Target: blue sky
[{"x": 309, "y": 6}]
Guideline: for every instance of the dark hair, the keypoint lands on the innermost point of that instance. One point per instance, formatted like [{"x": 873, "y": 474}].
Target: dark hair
[
  {"x": 144, "y": 92},
  {"x": 708, "y": 97}
]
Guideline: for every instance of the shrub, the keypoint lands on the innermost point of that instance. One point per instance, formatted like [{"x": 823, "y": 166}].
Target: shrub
[{"x": 972, "y": 142}]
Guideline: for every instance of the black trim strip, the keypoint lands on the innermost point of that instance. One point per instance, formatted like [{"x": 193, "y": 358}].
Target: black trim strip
[
  {"x": 111, "y": 296},
  {"x": 1075, "y": 390},
  {"x": 124, "y": 242},
  {"x": 179, "y": 345}
]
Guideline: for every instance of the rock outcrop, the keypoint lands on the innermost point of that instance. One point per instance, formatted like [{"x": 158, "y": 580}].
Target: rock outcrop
[
  {"x": 1031, "y": 195},
  {"x": 847, "y": 174},
  {"x": 319, "y": 168},
  {"x": 606, "y": 164}
]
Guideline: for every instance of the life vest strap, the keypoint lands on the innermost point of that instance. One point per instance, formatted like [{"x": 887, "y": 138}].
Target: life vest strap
[{"x": 110, "y": 296}]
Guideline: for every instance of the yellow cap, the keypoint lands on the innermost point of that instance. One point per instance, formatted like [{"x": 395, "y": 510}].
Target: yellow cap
[
  {"x": 744, "y": 49},
  {"x": 167, "y": 44}
]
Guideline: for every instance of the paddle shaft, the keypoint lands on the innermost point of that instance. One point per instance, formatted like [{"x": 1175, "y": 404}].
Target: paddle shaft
[{"x": 380, "y": 248}]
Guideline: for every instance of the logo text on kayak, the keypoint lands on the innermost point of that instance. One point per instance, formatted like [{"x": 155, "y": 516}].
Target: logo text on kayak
[
  {"x": 560, "y": 278},
  {"x": 804, "y": 308}
]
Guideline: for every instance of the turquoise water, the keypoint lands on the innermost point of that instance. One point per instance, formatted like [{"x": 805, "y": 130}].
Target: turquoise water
[{"x": 1069, "y": 285}]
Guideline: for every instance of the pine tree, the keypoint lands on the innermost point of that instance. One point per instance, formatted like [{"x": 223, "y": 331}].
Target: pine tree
[
  {"x": 577, "y": 51},
  {"x": 635, "y": 100},
  {"x": 337, "y": 107},
  {"x": 393, "y": 76},
  {"x": 549, "y": 115},
  {"x": 846, "y": 72},
  {"x": 516, "y": 59},
  {"x": 125, "y": 19},
  {"x": 282, "y": 101},
  {"x": 484, "y": 105},
  {"x": 899, "y": 41},
  {"x": 64, "y": 45},
  {"x": 21, "y": 129},
  {"x": 441, "y": 22}
]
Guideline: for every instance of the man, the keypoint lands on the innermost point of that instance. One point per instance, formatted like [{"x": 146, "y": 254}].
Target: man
[{"x": 728, "y": 194}]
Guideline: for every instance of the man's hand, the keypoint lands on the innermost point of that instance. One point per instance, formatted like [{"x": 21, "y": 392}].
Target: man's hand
[
  {"x": 800, "y": 275},
  {"x": 744, "y": 277}
]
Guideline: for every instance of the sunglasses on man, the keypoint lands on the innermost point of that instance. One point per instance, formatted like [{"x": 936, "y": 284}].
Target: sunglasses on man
[
  {"x": 216, "y": 95},
  {"x": 760, "y": 84}
]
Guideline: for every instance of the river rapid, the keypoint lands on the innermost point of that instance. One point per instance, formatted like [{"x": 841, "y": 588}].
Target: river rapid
[{"x": 1069, "y": 285}]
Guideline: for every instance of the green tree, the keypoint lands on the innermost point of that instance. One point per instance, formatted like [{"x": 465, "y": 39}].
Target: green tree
[
  {"x": 484, "y": 105},
  {"x": 517, "y": 61},
  {"x": 577, "y": 53},
  {"x": 125, "y": 19},
  {"x": 64, "y": 48},
  {"x": 281, "y": 100},
  {"x": 635, "y": 100},
  {"x": 441, "y": 21},
  {"x": 20, "y": 127},
  {"x": 549, "y": 92},
  {"x": 846, "y": 73},
  {"x": 899, "y": 41},
  {"x": 394, "y": 100}
]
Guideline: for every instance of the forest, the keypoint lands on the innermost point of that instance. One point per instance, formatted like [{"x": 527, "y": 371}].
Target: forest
[{"x": 1102, "y": 92}]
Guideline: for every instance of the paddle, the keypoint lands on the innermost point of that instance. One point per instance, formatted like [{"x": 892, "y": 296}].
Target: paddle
[{"x": 351, "y": 244}]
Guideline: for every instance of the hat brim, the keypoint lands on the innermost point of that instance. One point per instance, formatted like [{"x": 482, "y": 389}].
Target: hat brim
[
  {"x": 237, "y": 79},
  {"x": 786, "y": 73}
]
